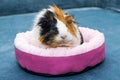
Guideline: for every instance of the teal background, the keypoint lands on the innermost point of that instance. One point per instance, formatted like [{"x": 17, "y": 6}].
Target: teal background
[
  {"x": 18, "y": 15},
  {"x": 8, "y": 7}
]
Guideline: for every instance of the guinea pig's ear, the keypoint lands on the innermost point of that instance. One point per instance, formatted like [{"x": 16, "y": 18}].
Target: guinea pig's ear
[
  {"x": 69, "y": 19},
  {"x": 70, "y": 25}
]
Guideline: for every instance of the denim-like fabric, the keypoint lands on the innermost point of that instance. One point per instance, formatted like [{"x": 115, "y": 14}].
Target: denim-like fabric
[
  {"x": 8, "y": 7},
  {"x": 105, "y": 21}
]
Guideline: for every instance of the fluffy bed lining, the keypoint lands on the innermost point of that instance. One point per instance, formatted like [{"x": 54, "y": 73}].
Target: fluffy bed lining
[{"x": 92, "y": 40}]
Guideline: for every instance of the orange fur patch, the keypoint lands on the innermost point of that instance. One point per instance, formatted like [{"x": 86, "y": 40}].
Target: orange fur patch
[
  {"x": 59, "y": 13},
  {"x": 68, "y": 20},
  {"x": 71, "y": 26},
  {"x": 40, "y": 39}
]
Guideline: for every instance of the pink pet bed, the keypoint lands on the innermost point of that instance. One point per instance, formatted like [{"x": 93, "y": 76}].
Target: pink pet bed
[{"x": 60, "y": 60}]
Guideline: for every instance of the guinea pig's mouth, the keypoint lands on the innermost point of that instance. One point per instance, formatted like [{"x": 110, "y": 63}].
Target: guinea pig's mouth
[{"x": 65, "y": 43}]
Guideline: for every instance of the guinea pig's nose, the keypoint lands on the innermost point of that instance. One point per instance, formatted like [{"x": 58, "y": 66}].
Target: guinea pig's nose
[{"x": 63, "y": 36}]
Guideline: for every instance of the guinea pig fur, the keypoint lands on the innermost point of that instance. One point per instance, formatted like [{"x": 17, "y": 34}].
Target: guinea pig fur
[{"x": 54, "y": 28}]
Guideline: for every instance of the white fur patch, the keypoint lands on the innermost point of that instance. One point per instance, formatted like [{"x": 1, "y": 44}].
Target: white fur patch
[{"x": 63, "y": 30}]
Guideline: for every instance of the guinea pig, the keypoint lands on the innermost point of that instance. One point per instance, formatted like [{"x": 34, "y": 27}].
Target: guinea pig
[{"x": 55, "y": 28}]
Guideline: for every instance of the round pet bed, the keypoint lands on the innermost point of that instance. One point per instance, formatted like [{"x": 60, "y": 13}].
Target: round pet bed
[{"x": 60, "y": 60}]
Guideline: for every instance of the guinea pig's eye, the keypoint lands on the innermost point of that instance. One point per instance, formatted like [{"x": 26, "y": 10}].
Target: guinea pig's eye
[
  {"x": 54, "y": 30},
  {"x": 54, "y": 21},
  {"x": 43, "y": 21},
  {"x": 66, "y": 13}
]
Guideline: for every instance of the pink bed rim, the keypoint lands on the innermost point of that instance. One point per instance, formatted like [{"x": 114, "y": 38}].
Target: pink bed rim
[{"x": 60, "y": 60}]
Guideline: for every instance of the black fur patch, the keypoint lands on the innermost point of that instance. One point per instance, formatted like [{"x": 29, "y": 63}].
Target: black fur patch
[
  {"x": 82, "y": 41},
  {"x": 48, "y": 26}
]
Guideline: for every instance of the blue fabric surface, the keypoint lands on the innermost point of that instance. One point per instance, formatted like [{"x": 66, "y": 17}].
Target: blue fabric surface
[
  {"x": 105, "y": 21},
  {"x": 8, "y": 7}
]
